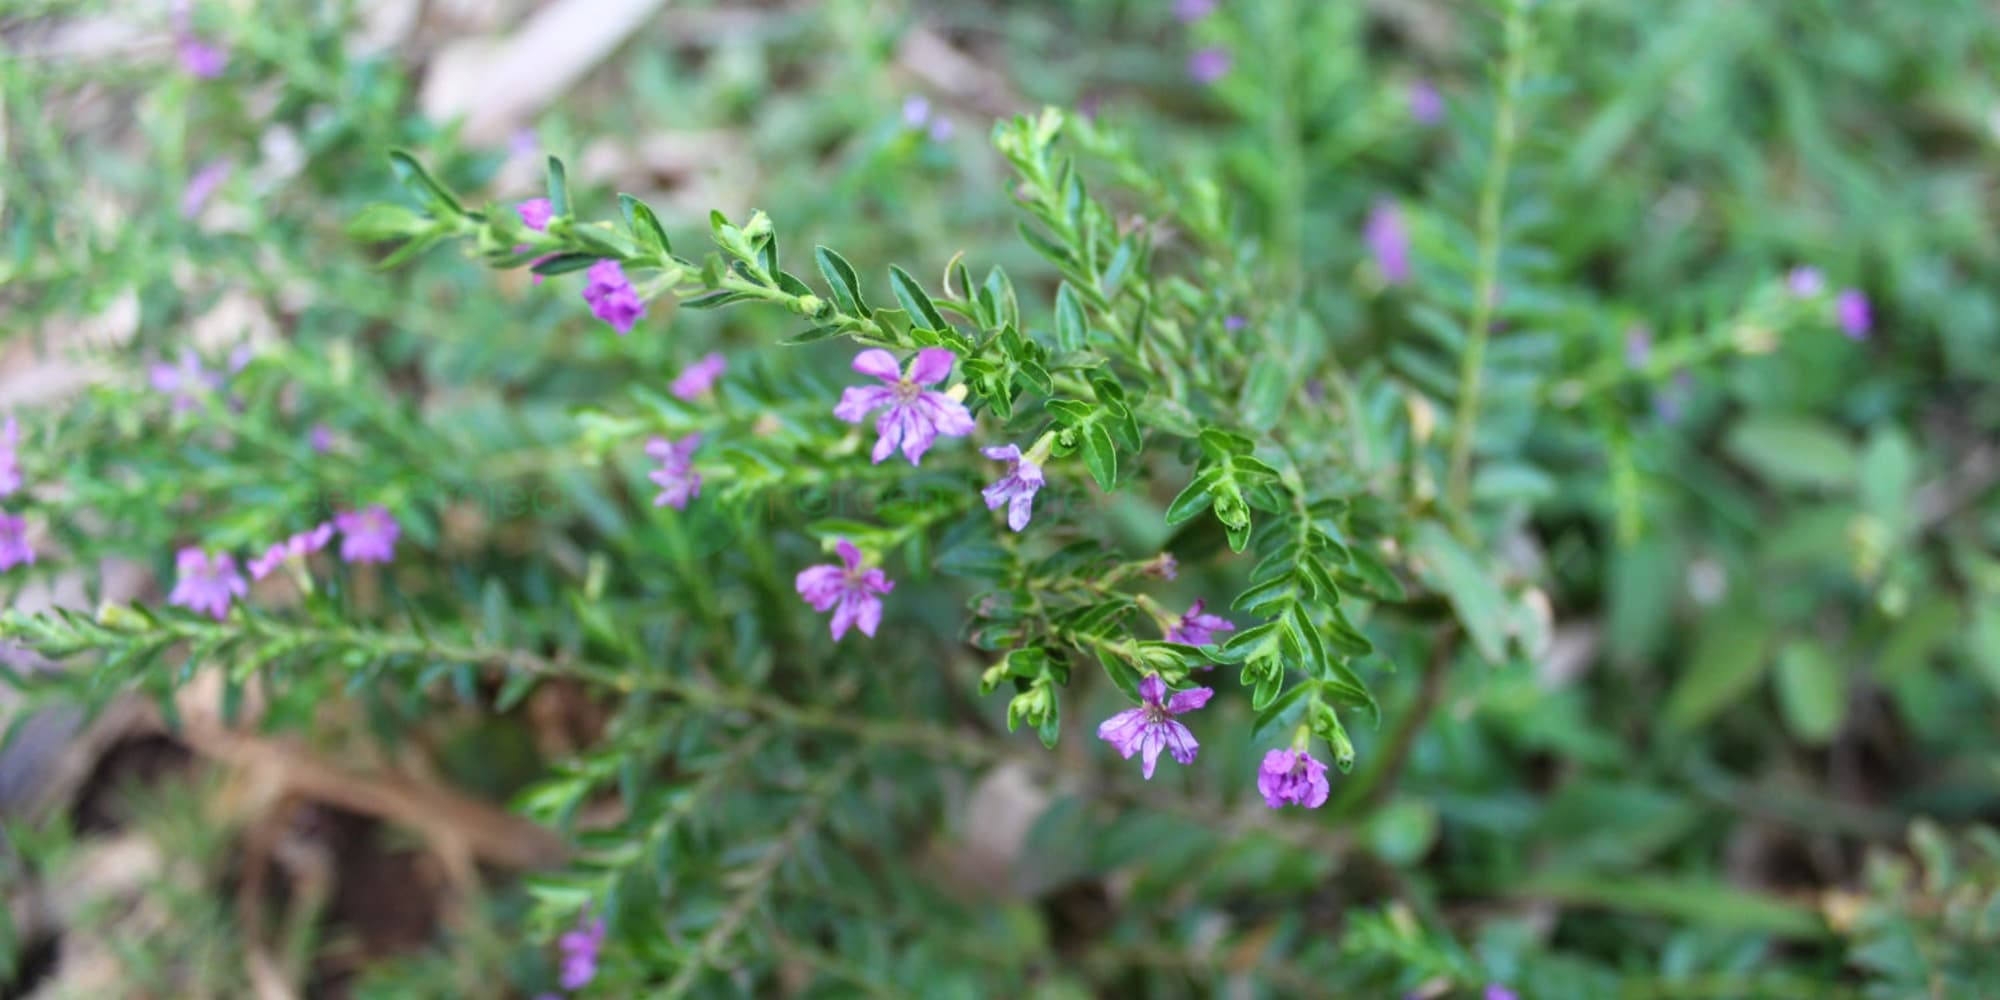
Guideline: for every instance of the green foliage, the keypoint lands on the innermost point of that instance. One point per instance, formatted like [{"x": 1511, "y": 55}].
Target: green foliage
[{"x": 1630, "y": 600}]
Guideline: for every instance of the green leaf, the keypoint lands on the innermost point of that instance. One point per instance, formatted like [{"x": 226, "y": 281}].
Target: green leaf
[
  {"x": 1280, "y": 715},
  {"x": 1727, "y": 660},
  {"x": 1709, "y": 904},
  {"x": 558, "y": 187},
  {"x": 1100, "y": 456},
  {"x": 423, "y": 185},
  {"x": 1193, "y": 499},
  {"x": 1793, "y": 451},
  {"x": 1071, "y": 327},
  {"x": 841, "y": 281},
  {"x": 1265, "y": 391},
  {"x": 564, "y": 263},
  {"x": 645, "y": 225},
  {"x": 1812, "y": 692},
  {"x": 1478, "y": 600},
  {"x": 913, "y": 299},
  {"x": 812, "y": 336}
]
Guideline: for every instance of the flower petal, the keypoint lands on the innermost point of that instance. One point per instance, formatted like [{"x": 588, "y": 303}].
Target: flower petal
[
  {"x": 1151, "y": 742},
  {"x": 868, "y": 612},
  {"x": 1123, "y": 730},
  {"x": 948, "y": 415},
  {"x": 879, "y": 363},
  {"x": 1002, "y": 452},
  {"x": 819, "y": 585},
  {"x": 848, "y": 553},
  {"x": 1189, "y": 700},
  {"x": 1152, "y": 689},
  {"x": 1180, "y": 742},
  {"x": 857, "y": 401},
  {"x": 932, "y": 364}
]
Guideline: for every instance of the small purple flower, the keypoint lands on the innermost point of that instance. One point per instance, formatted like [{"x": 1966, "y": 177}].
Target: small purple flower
[
  {"x": 311, "y": 540},
  {"x": 1190, "y": 11},
  {"x": 1389, "y": 241},
  {"x": 206, "y": 584},
  {"x": 1233, "y": 323},
  {"x": 852, "y": 593},
  {"x": 1638, "y": 346},
  {"x": 14, "y": 548},
  {"x": 940, "y": 130},
  {"x": 186, "y": 381},
  {"x": 1495, "y": 991},
  {"x": 10, "y": 457},
  {"x": 1805, "y": 282},
  {"x": 916, "y": 111},
  {"x": 1209, "y": 65},
  {"x": 321, "y": 439},
  {"x": 1292, "y": 776},
  {"x": 676, "y": 477},
  {"x": 611, "y": 296},
  {"x": 914, "y": 415},
  {"x": 1426, "y": 105},
  {"x": 200, "y": 59},
  {"x": 697, "y": 379},
  {"x": 1670, "y": 403},
  {"x": 1151, "y": 727},
  {"x": 1163, "y": 566},
  {"x": 1198, "y": 628},
  {"x": 535, "y": 213},
  {"x": 580, "y": 947},
  {"x": 1016, "y": 489},
  {"x": 202, "y": 186},
  {"x": 1851, "y": 311},
  {"x": 367, "y": 535}
]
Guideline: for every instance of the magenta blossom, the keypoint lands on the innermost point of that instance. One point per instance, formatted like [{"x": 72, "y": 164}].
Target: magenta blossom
[
  {"x": 1292, "y": 776},
  {"x": 186, "y": 381},
  {"x": 697, "y": 379},
  {"x": 1151, "y": 727},
  {"x": 202, "y": 186},
  {"x": 580, "y": 947},
  {"x": 10, "y": 457},
  {"x": 1209, "y": 65},
  {"x": 676, "y": 478},
  {"x": 535, "y": 213},
  {"x": 1389, "y": 241},
  {"x": 1495, "y": 991},
  {"x": 321, "y": 439},
  {"x": 206, "y": 584},
  {"x": 611, "y": 297},
  {"x": 1426, "y": 105},
  {"x": 311, "y": 540},
  {"x": 1164, "y": 566},
  {"x": 1638, "y": 346},
  {"x": 849, "y": 591},
  {"x": 1198, "y": 628},
  {"x": 1190, "y": 11},
  {"x": 1805, "y": 282},
  {"x": 1233, "y": 323},
  {"x": 916, "y": 110},
  {"x": 14, "y": 547},
  {"x": 200, "y": 59},
  {"x": 1851, "y": 311},
  {"x": 367, "y": 535},
  {"x": 1016, "y": 489},
  {"x": 914, "y": 415}
]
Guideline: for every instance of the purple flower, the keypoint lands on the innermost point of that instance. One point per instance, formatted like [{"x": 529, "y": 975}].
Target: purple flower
[
  {"x": 1208, "y": 65},
  {"x": 311, "y": 540},
  {"x": 1851, "y": 311},
  {"x": 849, "y": 591},
  {"x": 1150, "y": 727},
  {"x": 1389, "y": 241},
  {"x": 1190, "y": 11},
  {"x": 1426, "y": 105},
  {"x": 916, "y": 110},
  {"x": 1670, "y": 403},
  {"x": 611, "y": 296},
  {"x": 940, "y": 130},
  {"x": 1495, "y": 991},
  {"x": 200, "y": 59},
  {"x": 579, "y": 947},
  {"x": 1016, "y": 489},
  {"x": 201, "y": 186},
  {"x": 186, "y": 381},
  {"x": 535, "y": 213},
  {"x": 205, "y": 584},
  {"x": 1638, "y": 346},
  {"x": 1164, "y": 566},
  {"x": 14, "y": 548},
  {"x": 1197, "y": 628},
  {"x": 10, "y": 457},
  {"x": 1233, "y": 323},
  {"x": 697, "y": 379},
  {"x": 1292, "y": 776},
  {"x": 676, "y": 477},
  {"x": 367, "y": 535},
  {"x": 915, "y": 416},
  {"x": 321, "y": 439},
  {"x": 1805, "y": 282}
]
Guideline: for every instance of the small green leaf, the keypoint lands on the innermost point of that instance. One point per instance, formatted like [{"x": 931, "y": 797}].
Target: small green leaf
[
  {"x": 1812, "y": 692},
  {"x": 645, "y": 225},
  {"x": 420, "y": 182},
  {"x": 558, "y": 187},
  {"x": 913, "y": 299},
  {"x": 1265, "y": 391},
  {"x": 812, "y": 336},
  {"x": 1478, "y": 600},
  {"x": 1793, "y": 451},
  {"x": 1100, "y": 456},
  {"x": 841, "y": 281},
  {"x": 1071, "y": 327},
  {"x": 1281, "y": 714},
  {"x": 564, "y": 263},
  {"x": 1728, "y": 658}
]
